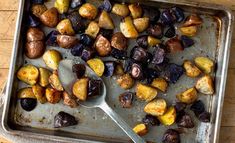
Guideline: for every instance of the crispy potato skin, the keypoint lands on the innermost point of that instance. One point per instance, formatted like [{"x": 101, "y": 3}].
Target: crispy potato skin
[
  {"x": 156, "y": 107},
  {"x": 136, "y": 10},
  {"x": 205, "y": 85},
  {"x": 53, "y": 96},
  {"x": 39, "y": 92},
  {"x": 127, "y": 28},
  {"x": 97, "y": 66},
  {"x": 55, "y": 82},
  {"x": 160, "y": 84},
  {"x": 120, "y": 9},
  {"x": 105, "y": 21},
  {"x": 50, "y": 17},
  {"x": 191, "y": 69},
  {"x": 189, "y": 96},
  {"x": 38, "y": 9},
  {"x": 141, "y": 24},
  {"x": 125, "y": 81},
  {"x": 52, "y": 59},
  {"x": 80, "y": 88},
  {"x": 145, "y": 92},
  {"x": 169, "y": 117},
  {"x": 88, "y": 11},
  {"x": 205, "y": 64},
  {"x": 26, "y": 93},
  {"x": 44, "y": 75},
  {"x": 140, "y": 129},
  {"x": 28, "y": 74},
  {"x": 92, "y": 29},
  {"x": 65, "y": 27}
]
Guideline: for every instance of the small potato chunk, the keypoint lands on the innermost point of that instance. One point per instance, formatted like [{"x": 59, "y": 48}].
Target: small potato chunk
[
  {"x": 127, "y": 28},
  {"x": 191, "y": 69},
  {"x": 52, "y": 59},
  {"x": 193, "y": 20},
  {"x": 38, "y": 9},
  {"x": 105, "y": 21},
  {"x": 141, "y": 24},
  {"x": 62, "y": 5},
  {"x": 28, "y": 74},
  {"x": 145, "y": 92},
  {"x": 53, "y": 96},
  {"x": 119, "y": 70},
  {"x": 88, "y": 11},
  {"x": 44, "y": 75},
  {"x": 140, "y": 129},
  {"x": 80, "y": 88},
  {"x": 66, "y": 41},
  {"x": 189, "y": 96},
  {"x": 65, "y": 27},
  {"x": 120, "y": 9},
  {"x": 26, "y": 93},
  {"x": 152, "y": 41},
  {"x": 102, "y": 46},
  {"x": 35, "y": 34},
  {"x": 205, "y": 85},
  {"x": 55, "y": 82},
  {"x": 69, "y": 100},
  {"x": 169, "y": 117},
  {"x": 39, "y": 92},
  {"x": 34, "y": 50},
  {"x": 125, "y": 81},
  {"x": 156, "y": 107},
  {"x": 205, "y": 64},
  {"x": 97, "y": 65},
  {"x": 92, "y": 29},
  {"x": 50, "y": 17},
  {"x": 160, "y": 84},
  {"x": 136, "y": 10},
  {"x": 189, "y": 31},
  {"x": 119, "y": 41}
]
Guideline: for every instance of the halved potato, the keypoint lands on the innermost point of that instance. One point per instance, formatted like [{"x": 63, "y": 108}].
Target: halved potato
[
  {"x": 53, "y": 96},
  {"x": 205, "y": 64},
  {"x": 125, "y": 81},
  {"x": 141, "y": 24},
  {"x": 80, "y": 88},
  {"x": 156, "y": 107},
  {"x": 145, "y": 92},
  {"x": 169, "y": 117},
  {"x": 88, "y": 11},
  {"x": 191, "y": 69},
  {"x": 65, "y": 27},
  {"x": 189, "y": 96},
  {"x": 160, "y": 83},
  {"x": 55, "y": 82},
  {"x": 120, "y": 9},
  {"x": 92, "y": 29},
  {"x": 189, "y": 31},
  {"x": 205, "y": 85},
  {"x": 26, "y": 93},
  {"x": 28, "y": 74},
  {"x": 62, "y": 5},
  {"x": 136, "y": 10},
  {"x": 69, "y": 100},
  {"x": 140, "y": 129},
  {"x": 52, "y": 58},
  {"x": 44, "y": 75},
  {"x": 97, "y": 65},
  {"x": 127, "y": 28},
  {"x": 39, "y": 92},
  {"x": 105, "y": 21},
  {"x": 152, "y": 41}
]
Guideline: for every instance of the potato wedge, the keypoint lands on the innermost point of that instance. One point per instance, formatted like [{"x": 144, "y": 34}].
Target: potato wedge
[
  {"x": 38, "y": 9},
  {"x": 53, "y": 96},
  {"x": 191, "y": 69},
  {"x": 189, "y": 31},
  {"x": 92, "y": 29},
  {"x": 140, "y": 129},
  {"x": 141, "y": 24},
  {"x": 50, "y": 17},
  {"x": 26, "y": 93},
  {"x": 205, "y": 85},
  {"x": 105, "y": 21},
  {"x": 69, "y": 100},
  {"x": 152, "y": 41},
  {"x": 127, "y": 28},
  {"x": 145, "y": 92},
  {"x": 136, "y": 10},
  {"x": 39, "y": 93},
  {"x": 44, "y": 75},
  {"x": 205, "y": 64},
  {"x": 62, "y": 5},
  {"x": 88, "y": 11},
  {"x": 125, "y": 81},
  {"x": 97, "y": 65},
  {"x": 169, "y": 117},
  {"x": 120, "y": 9},
  {"x": 156, "y": 107},
  {"x": 55, "y": 82},
  {"x": 28, "y": 74},
  {"x": 65, "y": 27},
  {"x": 80, "y": 88},
  {"x": 52, "y": 59},
  {"x": 160, "y": 83},
  {"x": 189, "y": 96}
]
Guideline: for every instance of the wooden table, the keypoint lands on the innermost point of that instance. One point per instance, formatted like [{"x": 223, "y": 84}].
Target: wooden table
[{"x": 8, "y": 12}]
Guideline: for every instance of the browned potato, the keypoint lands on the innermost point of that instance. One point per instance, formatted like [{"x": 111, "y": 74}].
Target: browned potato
[
  {"x": 119, "y": 41},
  {"x": 50, "y": 17},
  {"x": 38, "y": 9},
  {"x": 102, "y": 46},
  {"x": 105, "y": 21},
  {"x": 44, "y": 75},
  {"x": 152, "y": 41},
  {"x": 119, "y": 70},
  {"x": 52, "y": 59},
  {"x": 191, "y": 69},
  {"x": 66, "y": 41},
  {"x": 140, "y": 129},
  {"x": 192, "y": 20},
  {"x": 26, "y": 93},
  {"x": 80, "y": 88},
  {"x": 189, "y": 96},
  {"x": 92, "y": 29},
  {"x": 35, "y": 34},
  {"x": 96, "y": 65},
  {"x": 205, "y": 85},
  {"x": 127, "y": 28},
  {"x": 156, "y": 107},
  {"x": 160, "y": 84},
  {"x": 136, "y": 10},
  {"x": 141, "y": 24},
  {"x": 120, "y": 9},
  {"x": 169, "y": 117},
  {"x": 125, "y": 81},
  {"x": 55, "y": 82},
  {"x": 62, "y": 5},
  {"x": 34, "y": 50},
  {"x": 88, "y": 11},
  {"x": 39, "y": 92},
  {"x": 205, "y": 64},
  {"x": 69, "y": 100},
  {"x": 65, "y": 27},
  {"x": 28, "y": 74},
  {"x": 189, "y": 31},
  {"x": 53, "y": 96},
  {"x": 145, "y": 92}
]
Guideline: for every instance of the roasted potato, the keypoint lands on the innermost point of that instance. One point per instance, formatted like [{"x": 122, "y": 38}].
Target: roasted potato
[
  {"x": 169, "y": 117},
  {"x": 66, "y": 41},
  {"x": 97, "y": 65},
  {"x": 26, "y": 93},
  {"x": 160, "y": 83},
  {"x": 62, "y": 5},
  {"x": 192, "y": 20},
  {"x": 152, "y": 41},
  {"x": 53, "y": 96},
  {"x": 189, "y": 31},
  {"x": 105, "y": 21},
  {"x": 205, "y": 64},
  {"x": 136, "y": 10},
  {"x": 52, "y": 59},
  {"x": 119, "y": 41},
  {"x": 34, "y": 50},
  {"x": 69, "y": 100},
  {"x": 102, "y": 46},
  {"x": 125, "y": 81},
  {"x": 39, "y": 92},
  {"x": 156, "y": 107},
  {"x": 65, "y": 27},
  {"x": 191, "y": 69},
  {"x": 121, "y": 10},
  {"x": 80, "y": 88},
  {"x": 55, "y": 82},
  {"x": 205, "y": 85},
  {"x": 28, "y": 74},
  {"x": 92, "y": 29},
  {"x": 141, "y": 24},
  {"x": 44, "y": 75},
  {"x": 50, "y": 17},
  {"x": 140, "y": 129},
  {"x": 189, "y": 96},
  {"x": 88, "y": 11},
  {"x": 35, "y": 34},
  {"x": 38, "y": 9},
  {"x": 127, "y": 28},
  {"x": 119, "y": 70},
  {"x": 145, "y": 92}
]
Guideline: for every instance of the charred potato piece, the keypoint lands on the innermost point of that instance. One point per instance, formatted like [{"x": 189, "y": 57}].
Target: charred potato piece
[
  {"x": 80, "y": 88},
  {"x": 53, "y": 96},
  {"x": 192, "y": 20},
  {"x": 92, "y": 29},
  {"x": 119, "y": 41},
  {"x": 26, "y": 93},
  {"x": 105, "y": 21},
  {"x": 205, "y": 85},
  {"x": 88, "y": 11},
  {"x": 136, "y": 10},
  {"x": 44, "y": 75},
  {"x": 66, "y": 41},
  {"x": 160, "y": 84},
  {"x": 191, "y": 69},
  {"x": 189, "y": 31},
  {"x": 55, "y": 82},
  {"x": 127, "y": 28},
  {"x": 52, "y": 59},
  {"x": 169, "y": 117},
  {"x": 125, "y": 81},
  {"x": 156, "y": 107},
  {"x": 120, "y": 9},
  {"x": 39, "y": 92},
  {"x": 38, "y": 9},
  {"x": 69, "y": 100},
  {"x": 152, "y": 41},
  {"x": 35, "y": 34},
  {"x": 145, "y": 92},
  {"x": 34, "y": 50},
  {"x": 141, "y": 24},
  {"x": 50, "y": 17},
  {"x": 189, "y": 96},
  {"x": 28, "y": 74},
  {"x": 62, "y": 5},
  {"x": 140, "y": 129},
  {"x": 205, "y": 64},
  {"x": 97, "y": 65},
  {"x": 65, "y": 27},
  {"x": 102, "y": 46}
]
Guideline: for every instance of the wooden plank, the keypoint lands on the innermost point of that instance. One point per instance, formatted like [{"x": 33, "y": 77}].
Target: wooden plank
[
  {"x": 9, "y": 4},
  {"x": 3, "y": 140},
  {"x": 3, "y": 78},
  {"x": 227, "y": 135},
  {"x": 5, "y": 52},
  {"x": 7, "y": 22}
]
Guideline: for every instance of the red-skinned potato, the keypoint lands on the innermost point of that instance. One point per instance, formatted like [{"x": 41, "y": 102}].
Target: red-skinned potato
[
  {"x": 35, "y": 34},
  {"x": 50, "y": 17},
  {"x": 69, "y": 100},
  {"x": 66, "y": 41},
  {"x": 102, "y": 46},
  {"x": 34, "y": 50}
]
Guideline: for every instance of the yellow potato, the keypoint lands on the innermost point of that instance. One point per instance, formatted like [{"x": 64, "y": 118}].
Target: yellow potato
[
  {"x": 53, "y": 96},
  {"x": 205, "y": 64},
  {"x": 189, "y": 96},
  {"x": 125, "y": 81},
  {"x": 65, "y": 27},
  {"x": 52, "y": 59},
  {"x": 62, "y": 5},
  {"x": 140, "y": 129},
  {"x": 28, "y": 74},
  {"x": 26, "y": 93},
  {"x": 120, "y": 9},
  {"x": 88, "y": 11},
  {"x": 105, "y": 21},
  {"x": 44, "y": 75},
  {"x": 205, "y": 85},
  {"x": 152, "y": 41},
  {"x": 38, "y": 9},
  {"x": 80, "y": 88},
  {"x": 136, "y": 10},
  {"x": 141, "y": 24},
  {"x": 127, "y": 28},
  {"x": 119, "y": 70},
  {"x": 145, "y": 92},
  {"x": 96, "y": 65},
  {"x": 191, "y": 69},
  {"x": 69, "y": 100},
  {"x": 169, "y": 117},
  {"x": 160, "y": 84},
  {"x": 156, "y": 107},
  {"x": 39, "y": 92},
  {"x": 189, "y": 31},
  {"x": 92, "y": 29},
  {"x": 55, "y": 82}
]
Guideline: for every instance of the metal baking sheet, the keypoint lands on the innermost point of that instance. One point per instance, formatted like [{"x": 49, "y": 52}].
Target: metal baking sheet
[{"x": 212, "y": 40}]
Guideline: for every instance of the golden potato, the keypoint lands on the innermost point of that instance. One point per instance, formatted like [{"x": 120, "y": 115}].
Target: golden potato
[
  {"x": 119, "y": 41},
  {"x": 189, "y": 96},
  {"x": 120, "y": 9},
  {"x": 205, "y": 85},
  {"x": 205, "y": 64},
  {"x": 141, "y": 24},
  {"x": 127, "y": 28},
  {"x": 53, "y": 96},
  {"x": 140, "y": 129},
  {"x": 44, "y": 75},
  {"x": 28, "y": 74},
  {"x": 145, "y": 92},
  {"x": 26, "y": 93},
  {"x": 39, "y": 92},
  {"x": 65, "y": 27},
  {"x": 62, "y": 5},
  {"x": 80, "y": 88},
  {"x": 88, "y": 11},
  {"x": 92, "y": 29},
  {"x": 105, "y": 21},
  {"x": 69, "y": 100},
  {"x": 52, "y": 59},
  {"x": 55, "y": 82},
  {"x": 152, "y": 41},
  {"x": 160, "y": 84},
  {"x": 189, "y": 31},
  {"x": 38, "y": 9},
  {"x": 50, "y": 17},
  {"x": 136, "y": 10},
  {"x": 169, "y": 117},
  {"x": 191, "y": 69},
  {"x": 156, "y": 107},
  {"x": 119, "y": 70},
  {"x": 96, "y": 65},
  {"x": 125, "y": 81},
  {"x": 102, "y": 46}
]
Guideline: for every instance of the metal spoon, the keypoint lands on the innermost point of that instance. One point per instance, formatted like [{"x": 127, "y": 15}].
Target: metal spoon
[{"x": 67, "y": 77}]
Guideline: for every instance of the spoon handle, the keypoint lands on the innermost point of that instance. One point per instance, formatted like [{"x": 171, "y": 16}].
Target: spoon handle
[{"x": 121, "y": 123}]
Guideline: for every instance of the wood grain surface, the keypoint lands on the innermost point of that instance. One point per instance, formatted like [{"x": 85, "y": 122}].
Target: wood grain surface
[{"x": 8, "y": 12}]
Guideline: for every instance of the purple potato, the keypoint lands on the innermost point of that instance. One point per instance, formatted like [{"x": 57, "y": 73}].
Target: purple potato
[
  {"x": 174, "y": 45},
  {"x": 142, "y": 41},
  {"x": 151, "y": 120},
  {"x": 204, "y": 117},
  {"x": 198, "y": 107},
  {"x": 106, "y": 5},
  {"x": 118, "y": 54},
  {"x": 167, "y": 17},
  {"x": 172, "y": 72},
  {"x": 37, "y": 1},
  {"x": 156, "y": 30},
  {"x": 170, "y": 32},
  {"x": 109, "y": 68},
  {"x": 88, "y": 54},
  {"x": 107, "y": 33},
  {"x": 28, "y": 104},
  {"x": 137, "y": 71},
  {"x": 63, "y": 119},
  {"x": 86, "y": 40},
  {"x": 171, "y": 136},
  {"x": 139, "y": 54},
  {"x": 127, "y": 65},
  {"x": 186, "y": 41},
  {"x": 77, "y": 21},
  {"x": 76, "y": 3},
  {"x": 51, "y": 38},
  {"x": 153, "y": 13},
  {"x": 94, "y": 87},
  {"x": 184, "y": 120},
  {"x": 33, "y": 21},
  {"x": 180, "y": 106},
  {"x": 126, "y": 99},
  {"x": 159, "y": 55},
  {"x": 179, "y": 13},
  {"x": 79, "y": 70},
  {"x": 77, "y": 50}
]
